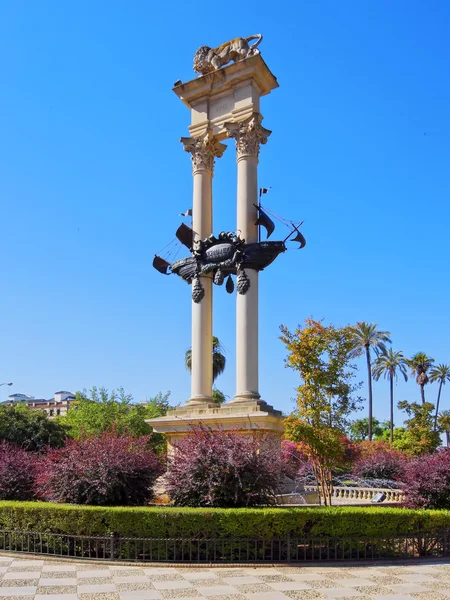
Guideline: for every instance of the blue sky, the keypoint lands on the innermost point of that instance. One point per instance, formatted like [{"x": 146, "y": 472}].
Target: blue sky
[{"x": 92, "y": 178}]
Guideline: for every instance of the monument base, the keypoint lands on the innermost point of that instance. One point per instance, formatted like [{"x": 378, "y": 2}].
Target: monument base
[{"x": 246, "y": 416}]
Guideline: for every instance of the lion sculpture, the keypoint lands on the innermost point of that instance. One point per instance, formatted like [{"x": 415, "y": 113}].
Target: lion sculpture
[{"x": 208, "y": 59}]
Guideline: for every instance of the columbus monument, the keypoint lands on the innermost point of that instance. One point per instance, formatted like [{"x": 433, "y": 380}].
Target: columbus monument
[{"x": 224, "y": 102}]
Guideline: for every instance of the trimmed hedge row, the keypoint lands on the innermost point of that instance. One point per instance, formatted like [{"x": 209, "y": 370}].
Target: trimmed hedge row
[{"x": 188, "y": 523}]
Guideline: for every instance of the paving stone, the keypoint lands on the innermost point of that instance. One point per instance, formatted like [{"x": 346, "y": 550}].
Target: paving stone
[
  {"x": 429, "y": 596},
  {"x": 104, "y": 588},
  {"x": 57, "y": 569},
  {"x": 267, "y": 596},
  {"x": 165, "y": 577},
  {"x": 134, "y": 587},
  {"x": 126, "y": 571},
  {"x": 51, "y": 597},
  {"x": 322, "y": 585},
  {"x": 201, "y": 583},
  {"x": 66, "y": 574},
  {"x": 275, "y": 578},
  {"x": 172, "y": 585},
  {"x": 415, "y": 578},
  {"x": 57, "y": 589},
  {"x": 196, "y": 574},
  {"x": 105, "y": 596},
  {"x": 306, "y": 577},
  {"x": 140, "y": 595},
  {"x": 249, "y": 588},
  {"x": 21, "y": 575},
  {"x": 344, "y": 592},
  {"x": 385, "y": 580},
  {"x": 373, "y": 590},
  {"x": 17, "y": 591},
  {"x": 20, "y": 597},
  {"x": 304, "y": 594},
  {"x": 57, "y": 580},
  {"x": 283, "y": 586},
  {"x": 25, "y": 569},
  {"x": 408, "y": 588},
  {"x": 18, "y": 582},
  {"x": 181, "y": 593},
  {"x": 220, "y": 590},
  {"x": 94, "y": 573},
  {"x": 394, "y": 597}
]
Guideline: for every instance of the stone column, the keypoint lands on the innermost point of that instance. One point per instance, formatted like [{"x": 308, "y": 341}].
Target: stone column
[
  {"x": 203, "y": 150},
  {"x": 249, "y": 134}
]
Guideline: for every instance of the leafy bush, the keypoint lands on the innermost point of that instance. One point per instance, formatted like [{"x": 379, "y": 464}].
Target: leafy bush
[
  {"x": 30, "y": 429},
  {"x": 17, "y": 473},
  {"x": 294, "y": 461},
  {"x": 427, "y": 481},
  {"x": 102, "y": 470},
  {"x": 101, "y": 411},
  {"x": 383, "y": 463},
  {"x": 224, "y": 468},
  {"x": 220, "y": 523}
]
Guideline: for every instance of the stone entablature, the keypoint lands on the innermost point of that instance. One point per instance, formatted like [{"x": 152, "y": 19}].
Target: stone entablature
[{"x": 231, "y": 94}]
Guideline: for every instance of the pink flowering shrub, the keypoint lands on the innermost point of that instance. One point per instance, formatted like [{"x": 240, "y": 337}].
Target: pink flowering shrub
[
  {"x": 427, "y": 481},
  {"x": 102, "y": 470},
  {"x": 224, "y": 468},
  {"x": 384, "y": 463},
  {"x": 17, "y": 473},
  {"x": 295, "y": 463}
]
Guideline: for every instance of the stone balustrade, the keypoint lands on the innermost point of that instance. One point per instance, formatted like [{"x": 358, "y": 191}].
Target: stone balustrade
[{"x": 344, "y": 494}]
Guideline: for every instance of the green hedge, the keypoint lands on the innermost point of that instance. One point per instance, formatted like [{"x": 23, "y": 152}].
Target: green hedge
[{"x": 256, "y": 523}]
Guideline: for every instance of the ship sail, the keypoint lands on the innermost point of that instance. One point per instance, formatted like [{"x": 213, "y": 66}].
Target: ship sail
[
  {"x": 161, "y": 265},
  {"x": 185, "y": 235},
  {"x": 264, "y": 220},
  {"x": 299, "y": 238}
]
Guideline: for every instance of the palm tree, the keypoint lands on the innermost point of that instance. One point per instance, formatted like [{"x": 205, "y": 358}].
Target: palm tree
[
  {"x": 219, "y": 359},
  {"x": 389, "y": 363},
  {"x": 440, "y": 373},
  {"x": 367, "y": 338},
  {"x": 420, "y": 364},
  {"x": 444, "y": 424}
]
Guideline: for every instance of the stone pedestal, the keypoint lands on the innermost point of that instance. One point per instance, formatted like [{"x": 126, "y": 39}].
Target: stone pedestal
[{"x": 248, "y": 417}]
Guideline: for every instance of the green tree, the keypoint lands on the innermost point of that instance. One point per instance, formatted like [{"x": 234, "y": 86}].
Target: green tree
[
  {"x": 441, "y": 374},
  {"x": 420, "y": 364},
  {"x": 359, "y": 429},
  {"x": 99, "y": 411},
  {"x": 30, "y": 429},
  {"x": 219, "y": 358},
  {"x": 389, "y": 363},
  {"x": 218, "y": 396},
  {"x": 444, "y": 424},
  {"x": 367, "y": 337},
  {"x": 419, "y": 436},
  {"x": 322, "y": 356}
]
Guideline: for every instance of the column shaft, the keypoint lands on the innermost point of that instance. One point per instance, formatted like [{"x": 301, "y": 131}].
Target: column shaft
[
  {"x": 247, "y": 385},
  {"x": 201, "y": 380},
  {"x": 203, "y": 150}
]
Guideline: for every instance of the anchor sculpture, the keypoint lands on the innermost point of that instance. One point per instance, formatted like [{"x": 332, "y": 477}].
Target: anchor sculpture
[{"x": 224, "y": 256}]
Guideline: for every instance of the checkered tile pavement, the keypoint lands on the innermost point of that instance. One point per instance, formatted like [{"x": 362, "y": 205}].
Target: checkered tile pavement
[{"x": 31, "y": 579}]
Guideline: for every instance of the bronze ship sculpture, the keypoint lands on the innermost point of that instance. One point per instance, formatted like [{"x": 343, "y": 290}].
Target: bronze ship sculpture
[{"x": 225, "y": 256}]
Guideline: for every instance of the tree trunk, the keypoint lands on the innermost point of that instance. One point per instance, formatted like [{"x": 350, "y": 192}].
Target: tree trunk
[
  {"x": 422, "y": 392},
  {"x": 391, "y": 424},
  {"x": 447, "y": 435},
  {"x": 369, "y": 381},
  {"x": 437, "y": 404}
]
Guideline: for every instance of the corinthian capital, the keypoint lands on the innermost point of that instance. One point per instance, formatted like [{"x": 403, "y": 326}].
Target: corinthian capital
[
  {"x": 249, "y": 135},
  {"x": 203, "y": 149}
]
